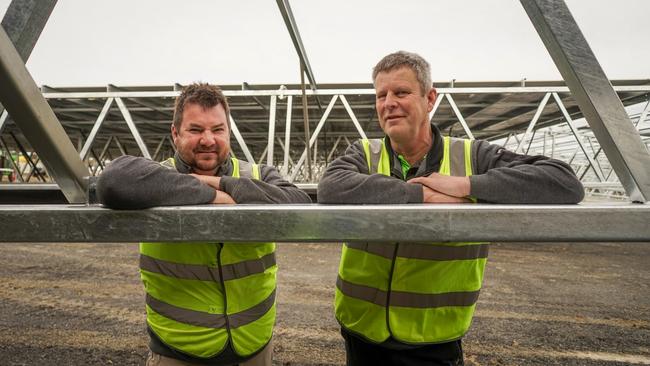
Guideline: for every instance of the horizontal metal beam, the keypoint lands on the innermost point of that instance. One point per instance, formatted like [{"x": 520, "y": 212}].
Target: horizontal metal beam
[
  {"x": 297, "y": 92},
  {"x": 328, "y": 223}
]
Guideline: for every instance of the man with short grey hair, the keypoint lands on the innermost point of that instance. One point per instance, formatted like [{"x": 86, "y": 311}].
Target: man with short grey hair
[{"x": 411, "y": 303}]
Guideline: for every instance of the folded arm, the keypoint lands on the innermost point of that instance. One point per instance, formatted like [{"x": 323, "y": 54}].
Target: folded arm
[{"x": 131, "y": 182}]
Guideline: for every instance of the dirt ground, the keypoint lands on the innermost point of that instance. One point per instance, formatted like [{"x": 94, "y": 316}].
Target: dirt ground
[{"x": 542, "y": 304}]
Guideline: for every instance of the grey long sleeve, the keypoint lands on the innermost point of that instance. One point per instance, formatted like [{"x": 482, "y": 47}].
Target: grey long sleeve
[
  {"x": 505, "y": 177},
  {"x": 501, "y": 177},
  {"x": 130, "y": 182},
  {"x": 271, "y": 188},
  {"x": 348, "y": 180},
  {"x": 134, "y": 183}
]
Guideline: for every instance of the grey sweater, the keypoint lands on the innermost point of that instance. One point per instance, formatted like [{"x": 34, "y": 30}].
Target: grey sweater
[
  {"x": 501, "y": 176},
  {"x": 131, "y": 182}
]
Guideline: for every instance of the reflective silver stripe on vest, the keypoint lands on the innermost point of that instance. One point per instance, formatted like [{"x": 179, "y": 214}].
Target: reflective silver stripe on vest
[
  {"x": 386, "y": 250},
  {"x": 457, "y": 156},
  {"x": 361, "y": 292},
  {"x": 406, "y": 299},
  {"x": 207, "y": 320},
  {"x": 247, "y": 268},
  {"x": 415, "y": 300},
  {"x": 442, "y": 252},
  {"x": 374, "y": 146},
  {"x": 423, "y": 251},
  {"x": 207, "y": 273},
  {"x": 245, "y": 169}
]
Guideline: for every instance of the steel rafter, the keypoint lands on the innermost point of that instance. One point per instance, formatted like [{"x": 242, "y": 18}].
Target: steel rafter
[{"x": 592, "y": 90}]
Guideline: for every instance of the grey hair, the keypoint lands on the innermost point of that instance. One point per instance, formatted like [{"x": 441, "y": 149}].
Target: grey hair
[{"x": 413, "y": 61}]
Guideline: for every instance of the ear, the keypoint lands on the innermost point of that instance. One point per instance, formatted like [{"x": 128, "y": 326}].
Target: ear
[
  {"x": 432, "y": 95},
  {"x": 174, "y": 134}
]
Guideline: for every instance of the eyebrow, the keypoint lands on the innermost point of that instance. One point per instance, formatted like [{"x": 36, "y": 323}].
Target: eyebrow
[{"x": 196, "y": 125}]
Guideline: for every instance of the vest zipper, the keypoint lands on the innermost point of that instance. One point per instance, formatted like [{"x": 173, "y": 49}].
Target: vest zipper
[
  {"x": 223, "y": 286},
  {"x": 390, "y": 282}
]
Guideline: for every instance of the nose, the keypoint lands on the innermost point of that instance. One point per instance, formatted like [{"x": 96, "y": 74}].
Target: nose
[
  {"x": 390, "y": 101},
  {"x": 208, "y": 138}
]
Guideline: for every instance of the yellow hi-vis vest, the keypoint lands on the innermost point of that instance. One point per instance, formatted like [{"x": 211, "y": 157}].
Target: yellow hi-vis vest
[
  {"x": 416, "y": 293},
  {"x": 202, "y": 295}
]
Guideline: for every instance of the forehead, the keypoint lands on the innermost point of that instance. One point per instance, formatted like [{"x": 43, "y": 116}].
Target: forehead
[
  {"x": 195, "y": 114},
  {"x": 400, "y": 76}
]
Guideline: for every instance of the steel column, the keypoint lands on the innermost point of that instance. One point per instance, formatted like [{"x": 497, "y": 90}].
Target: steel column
[
  {"x": 287, "y": 137},
  {"x": 35, "y": 118},
  {"x": 592, "y": 90},
  {"x": 271, "y": 143},
  {"x": 24, "y": 21},
  {"x": 305, "y": 116},
  {"x": 292, "y": 27}
]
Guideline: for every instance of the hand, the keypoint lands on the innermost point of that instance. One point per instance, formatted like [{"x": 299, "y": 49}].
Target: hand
[
  {"x": 450, "y": 186},
  {"x": 223, "y": 198},
  {"x": 210, "y": 180},
  {"x": 433, "y": 196}
]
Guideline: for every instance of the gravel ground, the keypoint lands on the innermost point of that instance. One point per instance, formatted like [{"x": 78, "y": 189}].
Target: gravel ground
[{"x": 542, "y": 304}]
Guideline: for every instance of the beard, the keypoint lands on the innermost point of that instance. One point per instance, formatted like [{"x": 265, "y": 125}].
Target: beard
[{"x": 208, "y": 160}]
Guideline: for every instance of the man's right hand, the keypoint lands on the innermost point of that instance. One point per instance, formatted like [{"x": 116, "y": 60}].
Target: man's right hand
[
  {"x": 432, "y": 196},
  {"x": 223, "y": 198}
]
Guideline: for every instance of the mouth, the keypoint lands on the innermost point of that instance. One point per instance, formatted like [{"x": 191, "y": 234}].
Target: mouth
[
  {"x": 392, "y": 118},
  {"x": 211, "y": 152}
]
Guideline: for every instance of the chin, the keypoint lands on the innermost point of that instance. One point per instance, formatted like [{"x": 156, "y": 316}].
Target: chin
[
  {"x": 395, "y": 133},
  {"x": 207, "y": 165}
]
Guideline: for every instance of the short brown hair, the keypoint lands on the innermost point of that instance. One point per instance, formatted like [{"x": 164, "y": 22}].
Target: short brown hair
[
  {"x": 203, "y": 94},
  {"x": 413, "y": 61}
]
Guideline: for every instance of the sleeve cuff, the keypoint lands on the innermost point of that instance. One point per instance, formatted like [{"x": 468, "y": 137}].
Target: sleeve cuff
[{"x": 414, "y": 193}]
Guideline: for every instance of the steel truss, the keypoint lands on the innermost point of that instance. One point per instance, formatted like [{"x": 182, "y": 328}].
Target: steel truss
[{"x": 117, "y": 121}]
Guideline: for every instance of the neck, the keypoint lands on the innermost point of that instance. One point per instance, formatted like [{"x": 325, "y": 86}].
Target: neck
[
  {"x": 205, "y": 172},
  {"x": 414, "y": 150}
]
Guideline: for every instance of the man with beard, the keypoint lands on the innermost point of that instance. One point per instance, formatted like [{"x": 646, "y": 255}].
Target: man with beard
[{"x": 207, "y": 303}]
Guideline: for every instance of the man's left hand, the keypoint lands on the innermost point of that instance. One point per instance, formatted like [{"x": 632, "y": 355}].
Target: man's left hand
[{"x": 451, "y": 186}]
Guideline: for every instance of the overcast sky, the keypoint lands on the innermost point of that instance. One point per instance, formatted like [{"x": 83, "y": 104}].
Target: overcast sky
[{"x": 159, "y": 42}]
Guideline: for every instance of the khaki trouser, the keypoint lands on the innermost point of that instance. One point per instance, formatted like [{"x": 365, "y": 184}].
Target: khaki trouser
[{"x": 263, "y": 358}]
